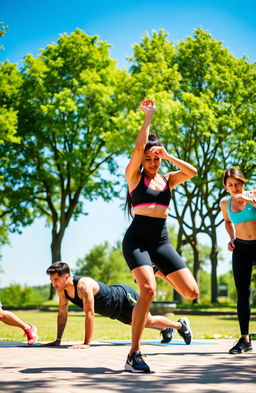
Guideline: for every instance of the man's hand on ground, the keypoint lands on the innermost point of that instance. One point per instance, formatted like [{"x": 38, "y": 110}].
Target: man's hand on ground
[
  {"x": 55, "y": 343},
  {"x": 79, "y": 346}
]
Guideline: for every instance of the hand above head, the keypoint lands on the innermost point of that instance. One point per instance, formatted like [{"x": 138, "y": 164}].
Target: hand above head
[
  {"x": 148, "y": 106},
  {"x": 55, "y": 343},
  {"x": 159, "y": 151},
  {"x": 79, "y": 346}
]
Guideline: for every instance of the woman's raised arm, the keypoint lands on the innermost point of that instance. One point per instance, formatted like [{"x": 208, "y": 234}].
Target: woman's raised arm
[{"x": 132, "y": 169}]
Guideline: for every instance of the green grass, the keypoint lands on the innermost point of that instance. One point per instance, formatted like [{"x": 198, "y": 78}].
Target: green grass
[
  {"x": 187, "y": 306},
  {"x": 107, "y": 329}
]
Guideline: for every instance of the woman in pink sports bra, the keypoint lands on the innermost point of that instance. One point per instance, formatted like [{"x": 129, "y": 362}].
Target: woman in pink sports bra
[
  {"x": 239, "y": 212},
  {"x": 146, "y": 240}
]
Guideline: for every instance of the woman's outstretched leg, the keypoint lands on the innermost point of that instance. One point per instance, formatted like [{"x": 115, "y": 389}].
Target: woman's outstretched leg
[{"x": 9, "y": 318}]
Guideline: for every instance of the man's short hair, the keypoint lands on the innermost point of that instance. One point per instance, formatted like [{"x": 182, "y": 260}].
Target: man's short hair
[{"x": 58, "y": 267}]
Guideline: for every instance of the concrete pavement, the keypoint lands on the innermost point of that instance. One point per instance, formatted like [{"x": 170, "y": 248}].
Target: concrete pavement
[{"x": 204, "y": 366}]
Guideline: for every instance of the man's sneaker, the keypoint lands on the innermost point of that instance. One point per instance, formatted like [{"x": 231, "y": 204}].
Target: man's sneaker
[
  {"x": 241, "y": 346},
  {"x": 136, "y": 364},
  {"x": 31, "y": 334},
  {"x": 167, "y": 335},
  {"x": 185, "y": 331}
]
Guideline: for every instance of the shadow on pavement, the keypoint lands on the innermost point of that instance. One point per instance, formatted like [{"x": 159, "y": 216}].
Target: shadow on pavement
[{"x": 101, "y": 379}]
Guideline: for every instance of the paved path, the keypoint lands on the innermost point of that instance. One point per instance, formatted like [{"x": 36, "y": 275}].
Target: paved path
[{"x": 204, "y": 366}]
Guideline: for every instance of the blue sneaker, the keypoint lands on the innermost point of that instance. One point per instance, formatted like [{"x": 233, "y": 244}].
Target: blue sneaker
[
  {"x": 136, "y": 364},
  {"x": 167, "y": 335},
  {"x": 185, "y": 331}
]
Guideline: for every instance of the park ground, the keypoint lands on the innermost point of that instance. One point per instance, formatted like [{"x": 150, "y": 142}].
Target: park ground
[{"x": 205, "y": 366}]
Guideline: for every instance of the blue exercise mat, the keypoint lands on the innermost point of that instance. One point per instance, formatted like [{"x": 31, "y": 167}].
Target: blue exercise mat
[
  {"x": 157, "y": 342},
  {"x": 17, "y": 344}
]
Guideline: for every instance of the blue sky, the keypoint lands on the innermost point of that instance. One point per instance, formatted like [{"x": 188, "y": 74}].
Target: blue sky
[{"x": 34, "y": 24}]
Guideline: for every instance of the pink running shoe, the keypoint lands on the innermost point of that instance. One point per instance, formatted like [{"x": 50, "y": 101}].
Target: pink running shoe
[{"x": 31, "y": 334}]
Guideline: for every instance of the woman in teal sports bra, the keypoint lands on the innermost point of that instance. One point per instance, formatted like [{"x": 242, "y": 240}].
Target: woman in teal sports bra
[{"x": 239, "y": 212}]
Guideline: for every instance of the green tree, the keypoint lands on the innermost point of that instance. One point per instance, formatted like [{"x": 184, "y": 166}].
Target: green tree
[
  {"x": 105, "y": 264},
  {"x": 228, "y": 279},
  {"x": 70, "y": 97},
  {"x": 18, "y": 296},
  {"x": 205, "y": 286},
  {"x": 9, "y": 99},
  {"x": 9, "y": 88},
  {"x": 218, "y": 94},
  {"x": 206, "y": 115}
]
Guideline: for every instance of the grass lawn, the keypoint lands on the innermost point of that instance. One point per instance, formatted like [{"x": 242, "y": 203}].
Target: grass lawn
[{"x": 209, "y": 327}]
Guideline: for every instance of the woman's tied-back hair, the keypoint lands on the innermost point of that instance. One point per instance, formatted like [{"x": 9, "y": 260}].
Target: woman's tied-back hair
[
  {"x": 58, "y": 267},
  {"x": 233, "y": 172},
  {"x": 152, "y": 141}
]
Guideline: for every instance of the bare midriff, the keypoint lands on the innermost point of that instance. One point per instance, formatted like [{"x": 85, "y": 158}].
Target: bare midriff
[
  {"x": 246, "y": 230},
  {"x": 158, "y": 211}
]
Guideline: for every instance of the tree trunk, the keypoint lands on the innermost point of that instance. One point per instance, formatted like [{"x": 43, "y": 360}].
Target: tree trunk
[
  {"x": 214, "y": 263},
  {"x": 196, "y": 265},
  {"x": 56, "y": 249},
  {"x": 56, "y": 256}
]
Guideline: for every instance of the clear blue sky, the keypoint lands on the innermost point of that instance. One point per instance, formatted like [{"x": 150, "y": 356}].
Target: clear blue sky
[{"x": 35, "y": 24}]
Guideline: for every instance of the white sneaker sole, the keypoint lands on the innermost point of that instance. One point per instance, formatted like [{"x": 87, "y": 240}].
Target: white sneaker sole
[
  {"x": 186, "y": 320},
  {"x": 129, "y": 368}
]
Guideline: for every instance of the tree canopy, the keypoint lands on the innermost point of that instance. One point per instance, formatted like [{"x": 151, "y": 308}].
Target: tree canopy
[
  {"x": 205, "y": 100},
  {"x": 67, "y": 114},
  {"x": 9, "y": 87},
  {"x": 69, "y": 98}
]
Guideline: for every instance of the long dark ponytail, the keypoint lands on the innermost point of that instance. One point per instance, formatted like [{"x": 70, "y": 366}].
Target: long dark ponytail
[{"x": 152, "y": 141}]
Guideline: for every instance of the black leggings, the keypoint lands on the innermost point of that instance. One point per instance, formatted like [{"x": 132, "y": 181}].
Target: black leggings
[
  {"x": 146, "y": 241},
  {"x": 244, "y": 255}
]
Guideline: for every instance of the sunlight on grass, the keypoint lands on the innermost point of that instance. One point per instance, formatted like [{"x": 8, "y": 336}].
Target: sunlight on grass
[{"x": 203, "y": 327}]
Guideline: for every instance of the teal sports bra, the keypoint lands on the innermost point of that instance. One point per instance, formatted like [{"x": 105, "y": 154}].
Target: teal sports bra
[{"x": 247, "y": 214}]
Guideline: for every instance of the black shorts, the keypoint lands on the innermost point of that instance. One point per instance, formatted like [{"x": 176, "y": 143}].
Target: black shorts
[
  {"x": 146, "y": 241},
  {"x": 129, "y": 299}
]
